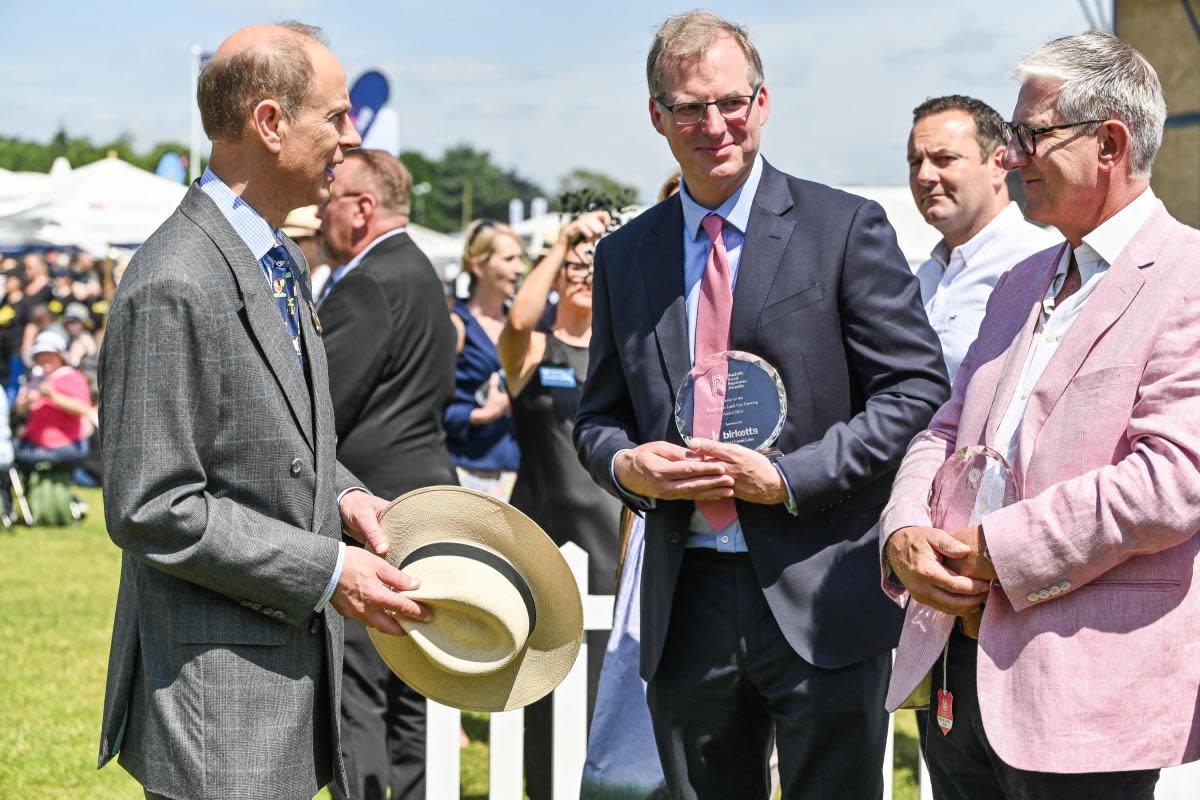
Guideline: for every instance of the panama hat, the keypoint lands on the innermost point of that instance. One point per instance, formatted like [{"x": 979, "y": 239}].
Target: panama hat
[
  {"x": 507, "y": 616},
  {"x": 302, "y": 222}
]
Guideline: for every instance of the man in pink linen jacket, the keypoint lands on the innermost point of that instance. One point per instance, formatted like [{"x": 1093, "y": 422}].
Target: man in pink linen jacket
[{"x": 1085, "y": 678}]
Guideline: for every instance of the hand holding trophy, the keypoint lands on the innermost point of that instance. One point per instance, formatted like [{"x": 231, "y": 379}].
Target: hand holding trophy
[{"x": 973, "y": 481}]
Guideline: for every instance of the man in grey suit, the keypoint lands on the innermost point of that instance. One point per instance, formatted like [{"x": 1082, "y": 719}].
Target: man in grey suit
[{"x": 222, "y": 485}]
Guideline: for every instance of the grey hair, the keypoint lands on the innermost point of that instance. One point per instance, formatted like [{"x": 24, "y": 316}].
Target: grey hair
[
  {"x": 687, "y": 36},
  {"x": 1104, "y": 78},
  {"x": 230, "y": 87}
]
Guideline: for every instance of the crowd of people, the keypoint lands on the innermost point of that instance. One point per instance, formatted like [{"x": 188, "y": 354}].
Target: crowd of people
[
  {"x": 51, "y": 325},
  {"x": 281, "y": 361}
]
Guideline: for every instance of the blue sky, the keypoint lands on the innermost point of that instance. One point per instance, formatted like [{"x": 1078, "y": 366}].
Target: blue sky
[{"x": 545, "y": 87}]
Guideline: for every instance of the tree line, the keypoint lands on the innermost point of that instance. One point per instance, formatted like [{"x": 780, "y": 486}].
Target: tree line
[{"x": 463, "y": 184}]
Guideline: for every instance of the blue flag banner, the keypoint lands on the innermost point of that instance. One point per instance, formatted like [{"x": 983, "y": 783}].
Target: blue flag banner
[{"x": 367, "y": 97}]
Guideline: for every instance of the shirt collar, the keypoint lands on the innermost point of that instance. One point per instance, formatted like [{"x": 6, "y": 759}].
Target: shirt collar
[
  {"x": 246, "y": 222},
  {"x": 342, "y": 271},
  {"x": 1104, "y": 245},
  {"x": 735, "y": 210},
  {"x": 1008, "y": 218},
  {"x": 1113, "y": 235}
]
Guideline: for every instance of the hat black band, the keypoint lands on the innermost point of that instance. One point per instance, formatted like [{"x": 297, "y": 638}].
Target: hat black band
[{"x": 461, "y": 550}]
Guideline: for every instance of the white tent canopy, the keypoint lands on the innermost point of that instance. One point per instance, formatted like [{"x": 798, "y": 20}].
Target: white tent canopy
[
  {"x": 445, "y": 252},
  {"x": 22, "y": 191},
  {"x": 94, "y": 207}
]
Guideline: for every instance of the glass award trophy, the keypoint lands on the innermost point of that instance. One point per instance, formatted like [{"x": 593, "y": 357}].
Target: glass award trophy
[
  {"x": 969, "y": 484},
  {"x": 732, "y": 397}
]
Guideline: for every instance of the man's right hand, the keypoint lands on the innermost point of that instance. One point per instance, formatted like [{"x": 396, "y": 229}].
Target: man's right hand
[
  {"x": 917, "y": 557},
  {"x": 669, "y": 472},
  {"x": 369, "y": 588}
]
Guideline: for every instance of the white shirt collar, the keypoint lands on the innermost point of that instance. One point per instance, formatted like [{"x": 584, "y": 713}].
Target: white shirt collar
[
  {"x": 354, "y": 262},
  {"x": 1113, "y": 235},
  {"x": 1008, "y": 218}
]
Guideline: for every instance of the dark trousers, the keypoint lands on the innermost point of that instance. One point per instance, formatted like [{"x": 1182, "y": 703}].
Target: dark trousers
[
  {"x": 383, "y": 726},
  {"x": 29, "y": 454},
  {"x": 729, "y": 683},
  {"x": 963, "y": 765}
]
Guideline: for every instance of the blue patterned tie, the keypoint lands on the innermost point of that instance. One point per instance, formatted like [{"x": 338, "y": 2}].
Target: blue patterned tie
[{"x": 280, "y": 270}]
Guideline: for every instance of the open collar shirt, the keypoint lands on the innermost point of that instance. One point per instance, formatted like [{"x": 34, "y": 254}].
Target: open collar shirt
[
  {"x": 956, "y": 283},
  {"x": 1097, "y": 252}
]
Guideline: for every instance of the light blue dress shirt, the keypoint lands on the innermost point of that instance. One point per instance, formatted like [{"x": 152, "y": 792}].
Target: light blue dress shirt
[
  {"x": 736, "y": 212},
  {"x": 252, "y": 229}
]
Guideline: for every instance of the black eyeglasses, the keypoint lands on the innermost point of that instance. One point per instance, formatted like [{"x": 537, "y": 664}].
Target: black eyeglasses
[
  {"x": 731, "y": 108},
  {"x": 578, "y": 271},
  {"x": 1027, "y": 136}
]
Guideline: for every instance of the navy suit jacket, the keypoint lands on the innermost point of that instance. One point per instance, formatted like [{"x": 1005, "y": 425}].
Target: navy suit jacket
[{"x": 825, "y": 295}]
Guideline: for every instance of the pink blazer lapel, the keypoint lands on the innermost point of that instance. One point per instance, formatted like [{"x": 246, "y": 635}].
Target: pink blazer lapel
[
  {"x": 1112, "y": 297},
  {"x": 1010, "y": 373}
]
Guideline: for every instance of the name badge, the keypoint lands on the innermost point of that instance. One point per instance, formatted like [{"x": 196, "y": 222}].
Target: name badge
[{"x": 557, "y": 377}]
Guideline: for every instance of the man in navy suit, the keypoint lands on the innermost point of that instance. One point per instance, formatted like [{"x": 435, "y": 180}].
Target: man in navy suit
[{"x": 760, "y": 617}]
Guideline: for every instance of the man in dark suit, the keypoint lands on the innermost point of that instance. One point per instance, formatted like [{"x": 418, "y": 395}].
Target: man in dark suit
[
  {"x": 221, "y": 482},
  {"x": 390, "y": 347},
  {"x": 758, "y": 610}
]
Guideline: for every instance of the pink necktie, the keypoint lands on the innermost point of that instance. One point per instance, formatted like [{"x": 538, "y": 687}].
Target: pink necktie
[{"x": 712, "y": 336}]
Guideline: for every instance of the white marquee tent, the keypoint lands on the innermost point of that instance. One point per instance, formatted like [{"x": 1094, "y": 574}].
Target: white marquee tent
[{"x": 105, "y": 203}]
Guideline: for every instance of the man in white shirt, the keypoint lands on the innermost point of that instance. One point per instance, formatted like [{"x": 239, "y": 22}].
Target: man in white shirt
[
  {"x": 958, "y": 183},
  {"x": 1082, "y": 681}
]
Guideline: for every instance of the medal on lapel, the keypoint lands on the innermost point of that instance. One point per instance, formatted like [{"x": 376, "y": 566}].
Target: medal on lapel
[{"x": 312, "y": 309}]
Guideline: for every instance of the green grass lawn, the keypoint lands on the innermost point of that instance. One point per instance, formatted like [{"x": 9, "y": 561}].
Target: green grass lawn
[{"x": 58, "y": 589}]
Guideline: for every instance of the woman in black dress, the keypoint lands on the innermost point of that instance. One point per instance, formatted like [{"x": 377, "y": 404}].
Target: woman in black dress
[{"x": 545, "y": 373}]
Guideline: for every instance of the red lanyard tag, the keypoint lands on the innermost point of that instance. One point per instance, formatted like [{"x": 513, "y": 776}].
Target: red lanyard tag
[
  {"x": 945, "y": 711},
  {"x": 945, "y": 705}
]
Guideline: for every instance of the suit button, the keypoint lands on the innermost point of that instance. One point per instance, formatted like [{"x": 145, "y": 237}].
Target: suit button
[
  {"x": 1032, "y": 597},
  {"x": 674, "y": 538},
  {"x": 296, "y": 465},
  {"x": 1044, "y": 594},
  {"x": 1065, "y": 585},
  {"x": 1055, "y": 591}
]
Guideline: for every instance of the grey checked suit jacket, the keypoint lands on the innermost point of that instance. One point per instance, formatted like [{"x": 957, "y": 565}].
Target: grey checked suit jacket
[{"x": 221, "y": 488}]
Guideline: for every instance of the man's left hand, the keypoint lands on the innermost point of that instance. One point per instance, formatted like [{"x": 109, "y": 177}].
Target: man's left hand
[
  {"x": 976, "y": 564},
  {"x": 755, "y": 478},
  {"x": 360, "y": 517}
]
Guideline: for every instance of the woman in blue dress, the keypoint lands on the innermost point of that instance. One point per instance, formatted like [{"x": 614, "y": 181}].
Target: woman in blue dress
[{"x": 478, "y": 422}]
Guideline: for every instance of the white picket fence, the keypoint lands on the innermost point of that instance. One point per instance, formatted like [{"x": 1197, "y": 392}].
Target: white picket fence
[{"x": 506, "y": 731}]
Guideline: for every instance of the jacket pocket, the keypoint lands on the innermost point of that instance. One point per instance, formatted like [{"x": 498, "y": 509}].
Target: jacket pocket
[
  {"x": 788, "y": 305},
  {"x": 1124, "y": 374}
]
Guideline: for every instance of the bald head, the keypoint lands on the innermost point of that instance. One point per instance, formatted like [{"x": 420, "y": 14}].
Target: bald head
[{"x": 256, "y": 63}]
